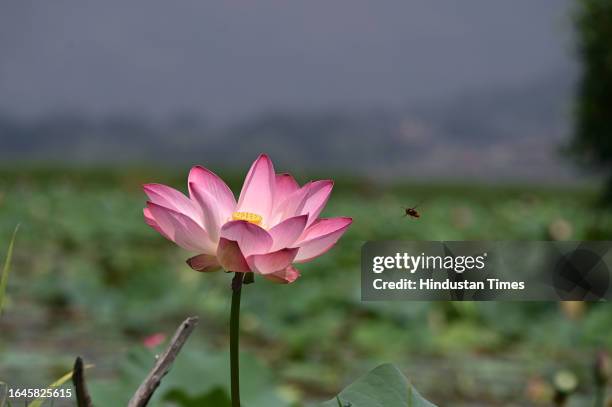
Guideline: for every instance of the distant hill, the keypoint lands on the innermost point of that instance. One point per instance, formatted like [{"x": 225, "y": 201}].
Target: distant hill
[{"x": 509, "y": 133}]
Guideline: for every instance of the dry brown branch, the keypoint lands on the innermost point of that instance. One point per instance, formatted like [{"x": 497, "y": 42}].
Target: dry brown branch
[
  {"x": 80, "y": 388},
  {"x": 164, "y": 363}
]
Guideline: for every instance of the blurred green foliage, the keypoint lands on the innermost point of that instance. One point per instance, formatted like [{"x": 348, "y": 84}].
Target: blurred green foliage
[
  {"x": 592, "y": 141},
  {"x": 91, "y": 279}
]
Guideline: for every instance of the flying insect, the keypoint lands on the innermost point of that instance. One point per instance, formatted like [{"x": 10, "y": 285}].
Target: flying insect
[{"x": 412, "y": 212}]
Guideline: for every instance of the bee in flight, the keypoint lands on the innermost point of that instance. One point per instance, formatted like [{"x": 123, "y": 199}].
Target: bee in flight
[{"x": 412, "y": 212}]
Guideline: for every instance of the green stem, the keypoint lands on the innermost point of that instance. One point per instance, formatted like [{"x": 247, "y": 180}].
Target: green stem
[{"x": 235, "y": 338}]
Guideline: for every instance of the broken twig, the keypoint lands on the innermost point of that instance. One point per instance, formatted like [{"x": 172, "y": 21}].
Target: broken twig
[
  {"x": 164, "y": 363},
  {"x": 78, "y": 379}
]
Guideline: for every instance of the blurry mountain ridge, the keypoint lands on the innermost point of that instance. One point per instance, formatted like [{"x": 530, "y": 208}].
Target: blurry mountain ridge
[{"x": 507, "y": 133}]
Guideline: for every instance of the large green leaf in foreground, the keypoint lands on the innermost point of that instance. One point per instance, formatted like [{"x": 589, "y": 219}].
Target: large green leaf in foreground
[{"x": 384, "y": 386}]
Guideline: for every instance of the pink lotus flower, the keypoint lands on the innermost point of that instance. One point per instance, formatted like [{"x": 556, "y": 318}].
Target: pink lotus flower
[{"x": 274, "y": 224}]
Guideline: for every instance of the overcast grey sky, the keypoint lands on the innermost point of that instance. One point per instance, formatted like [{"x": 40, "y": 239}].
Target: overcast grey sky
[{"x": 234, "y": 58}]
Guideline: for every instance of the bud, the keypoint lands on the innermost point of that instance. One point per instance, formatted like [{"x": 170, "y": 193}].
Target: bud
[{"x": 153, "y": 341}]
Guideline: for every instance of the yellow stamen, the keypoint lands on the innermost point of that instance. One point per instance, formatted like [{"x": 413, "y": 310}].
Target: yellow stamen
[{"x": 248, "y": 216}]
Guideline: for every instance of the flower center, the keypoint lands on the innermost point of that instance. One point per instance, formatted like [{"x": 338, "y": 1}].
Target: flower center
[{"x": 247, "y": 216}]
